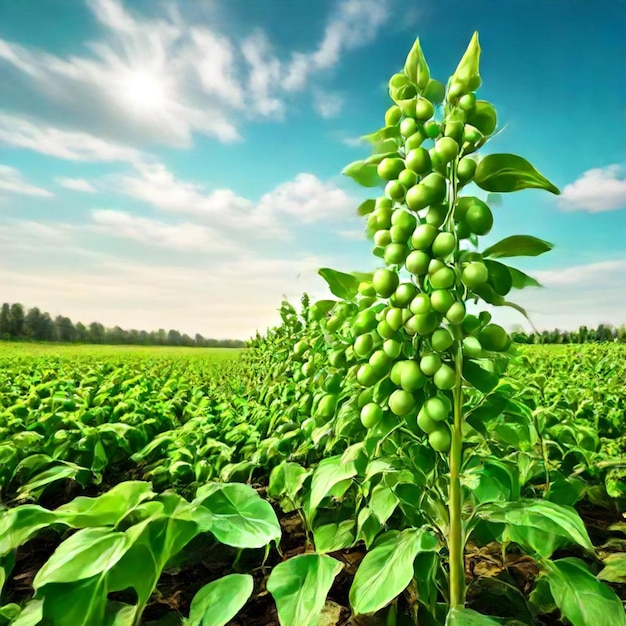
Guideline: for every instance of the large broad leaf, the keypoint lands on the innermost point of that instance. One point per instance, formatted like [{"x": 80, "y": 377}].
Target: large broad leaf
[
  {"x": 80, "y": 603},
  {"x": 219, "y": 601},
  {"x": 518, "y": 245},
  {"x": 467, "y": 617},
  {"x": 342, "y": 285},
  {"x": 509, "y": 172},
  {"x": 107, "y": 509},
  {"x": 19, "y": 524},
  {"x": 582, "y": 599},
  {"x": 328, "y": 473},
  {"x": 538, "y": 525},
  {"x": 387, "y": 570},
  {"x": 363, "y": 173},
  {"x": 299, "y": 587},
  {"x": 238, "y": 516},
  {"x": 85, "y": 554}
]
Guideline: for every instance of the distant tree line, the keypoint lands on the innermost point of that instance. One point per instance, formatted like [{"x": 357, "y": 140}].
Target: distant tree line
[
  {"x": 602, "y": 334},
  {"x": 33, "y": 325}
]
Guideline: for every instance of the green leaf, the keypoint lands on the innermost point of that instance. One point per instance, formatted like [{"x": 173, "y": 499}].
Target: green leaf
[
  {"x": 342, "y": 285},
  {"x": 466, "y": 77},
  {"x": 504, "y": 173},
  {"x": 9, "y": 612},
  {"x": 366, "y": 207},
  {"x": 467, "y": 617},
  {"x": 518, "y": 245},
  {"x": 521, "y": 280},
  {"x": 328, "y": 473},
  {"x": 387, "y": 570},
  {"x": 582, "y": 599},
  {"x": 62, "y": 470},
  {"x": 31, "y": 614},
  {"x": 415, "y": 66},
  {"x": 85, "y": 554},
  {"x": 538, "y": 524},
  {"x": 614, "y": 568},
  {"x": 363, "y": 173},
  {"x": 239, "y": 517},
  {"x": 478, "y": 377},
  {"x": 107, "y": 509},
  {"x": 19, "y": 524},
  {"x": 299, "y": 587},
  {"x": 218, "y": 602},
  {"x": 333, "y": 537}
]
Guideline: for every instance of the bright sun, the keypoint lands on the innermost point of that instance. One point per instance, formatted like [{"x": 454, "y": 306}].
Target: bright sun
[{"x": 143, "y": 91}]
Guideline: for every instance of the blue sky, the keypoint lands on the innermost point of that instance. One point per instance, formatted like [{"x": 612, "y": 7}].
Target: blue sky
[{"x": 177, "y": 164}]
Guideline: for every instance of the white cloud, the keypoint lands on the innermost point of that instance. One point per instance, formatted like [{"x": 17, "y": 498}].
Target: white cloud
[
  {"x": 589, "y": 294},
  {"x": 19, "y": 132},
  {"x": 11, "y": 180},
  {"x": 327, "y": 104},
  {"x": 183, "y": 236},
  {"x": 596, "y": 191},
  {"x": 156, "y": 78},
  {"x": 308, "y": 199},
  {"x": 354, "y": 24},
  {"x": 355, "y": 234},
  {"x": 305, "y": 199},
  {"x": 76, "y": 184}
]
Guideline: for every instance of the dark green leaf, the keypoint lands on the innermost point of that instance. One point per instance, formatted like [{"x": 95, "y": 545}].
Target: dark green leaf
[
  {"x": 508, "y": 172},
  {"x": 478, "y": 377},
  {"x": 518, "y": 245}
]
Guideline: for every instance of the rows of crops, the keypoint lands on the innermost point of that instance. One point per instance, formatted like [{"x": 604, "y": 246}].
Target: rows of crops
[
  {"x": 386, "y": 457},
  {"x": 152, "y": 432}
]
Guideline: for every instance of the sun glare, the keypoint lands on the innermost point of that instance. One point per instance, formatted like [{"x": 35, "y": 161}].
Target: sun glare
[{"x": 143, "y": 91}]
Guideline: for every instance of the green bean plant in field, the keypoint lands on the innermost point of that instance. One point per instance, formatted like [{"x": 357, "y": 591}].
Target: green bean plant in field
[{"x": 387, "y": 456}]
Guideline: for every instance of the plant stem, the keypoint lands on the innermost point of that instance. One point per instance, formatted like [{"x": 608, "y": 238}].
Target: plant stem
[{"x": 455, "y": 503}]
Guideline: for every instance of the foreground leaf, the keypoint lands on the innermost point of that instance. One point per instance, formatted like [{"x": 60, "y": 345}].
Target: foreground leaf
[
  {"x": 239, "y": 517},
  {"x": 582, "y": 599},
  {"x": 218, "y": 602},
  {"x": 386, "y": 571},
  {"x": 538, "y": 524},
  {"x": 299, "y": 587}
]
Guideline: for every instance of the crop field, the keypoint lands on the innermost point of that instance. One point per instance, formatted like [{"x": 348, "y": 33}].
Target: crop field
[
  {"x": 388, "y": 457},
  {"x": 123, "y": 442}
]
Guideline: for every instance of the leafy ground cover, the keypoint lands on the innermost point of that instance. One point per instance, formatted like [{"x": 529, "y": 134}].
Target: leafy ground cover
[{"x": 83, "y": 423}]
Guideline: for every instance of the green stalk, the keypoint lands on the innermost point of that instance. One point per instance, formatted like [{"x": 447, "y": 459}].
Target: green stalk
[
  {"x": 455, "y": 502},
  {"x": 456, "y": 545}
]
